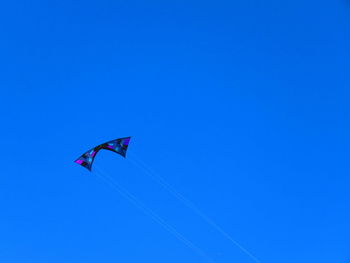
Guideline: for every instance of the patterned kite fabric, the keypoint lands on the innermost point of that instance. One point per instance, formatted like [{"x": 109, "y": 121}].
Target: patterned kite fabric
[{"x": 119, "y": 146}]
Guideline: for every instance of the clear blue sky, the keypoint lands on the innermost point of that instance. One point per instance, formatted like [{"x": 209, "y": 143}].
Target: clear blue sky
[{"x": 243, "y": 106}]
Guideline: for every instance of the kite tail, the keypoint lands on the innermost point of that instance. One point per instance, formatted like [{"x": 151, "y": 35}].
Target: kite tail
[
  {"x": 160, "y": 180},
  {"x": 149, "y": 212}
]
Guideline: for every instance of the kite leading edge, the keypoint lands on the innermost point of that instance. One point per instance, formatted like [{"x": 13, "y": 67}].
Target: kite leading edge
[{"x": 119, "y": 146}]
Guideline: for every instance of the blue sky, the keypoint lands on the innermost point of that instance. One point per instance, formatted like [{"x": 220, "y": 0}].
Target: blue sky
[{"x": 242, "y": 106}]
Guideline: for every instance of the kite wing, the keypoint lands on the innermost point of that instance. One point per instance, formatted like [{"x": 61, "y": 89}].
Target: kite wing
[{"x": 119, "y": 146}]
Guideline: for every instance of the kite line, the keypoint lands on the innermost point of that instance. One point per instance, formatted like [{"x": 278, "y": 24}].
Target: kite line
[
  {"x": 160, "y": 180},
  {"x": 120, "y": 146},
  {"x": 149, "y": 212}
]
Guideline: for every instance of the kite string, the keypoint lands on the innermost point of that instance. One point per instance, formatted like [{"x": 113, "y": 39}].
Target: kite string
[
  {"x": 149, "y": 212},
  {"x": 160, "y": 180}
]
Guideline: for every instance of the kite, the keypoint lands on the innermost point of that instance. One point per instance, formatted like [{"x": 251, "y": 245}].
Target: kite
[{"x": 119, "y": 146}]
